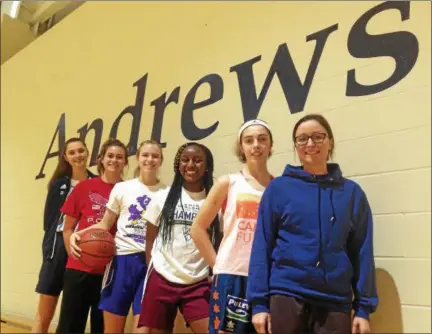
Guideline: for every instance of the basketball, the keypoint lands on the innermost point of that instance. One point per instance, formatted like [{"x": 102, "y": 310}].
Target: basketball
[{"x": 97, "y": 248}]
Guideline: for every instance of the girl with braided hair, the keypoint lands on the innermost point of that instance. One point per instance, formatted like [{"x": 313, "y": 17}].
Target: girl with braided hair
[{"x": 178, "y": 276}]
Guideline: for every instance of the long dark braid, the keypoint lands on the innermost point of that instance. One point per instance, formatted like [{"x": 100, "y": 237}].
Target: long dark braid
[{"x": 166, "y": 217}]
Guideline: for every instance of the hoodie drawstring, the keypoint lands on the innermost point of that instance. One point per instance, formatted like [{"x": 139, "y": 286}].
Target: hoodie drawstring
[
  {"x": 333, "y": 217},
  {"x": 332, "y": 220}
]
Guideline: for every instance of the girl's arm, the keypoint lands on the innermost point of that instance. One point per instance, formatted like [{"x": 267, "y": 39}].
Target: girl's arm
[
  {"x": 260, "y": 261},
  {"x": 151, "y": 234},
  {"x": 151, "y": 218},
  {"x": 106, "y": 224},
  {"x": 72, "y": 209},
  {"x": 203, "y": 220},
  {"x": 69, "y": 226},
  {"x": 360, "y": 248}
]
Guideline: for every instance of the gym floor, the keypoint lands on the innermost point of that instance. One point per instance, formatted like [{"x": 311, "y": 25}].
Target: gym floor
[
  {"x": 13, "y": 328},
  {"x": 11, "y": 324}
]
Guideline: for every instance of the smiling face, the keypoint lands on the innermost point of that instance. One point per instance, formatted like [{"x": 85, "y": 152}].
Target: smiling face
[
  {"x": 149, "y": 158},
  {"x": 76, "y": 155},
  {"x": 312, "y": 143},
  {"x": 192, "y": 164},
  {"x": 114, "y": 159},
  {"x": 255, "y": 143}
]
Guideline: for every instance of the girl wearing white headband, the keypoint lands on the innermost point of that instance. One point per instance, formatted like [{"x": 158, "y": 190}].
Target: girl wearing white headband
[{"x": 237, "y": 196}]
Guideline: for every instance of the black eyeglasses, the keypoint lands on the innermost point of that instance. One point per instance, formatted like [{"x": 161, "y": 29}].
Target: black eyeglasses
[{"x": 317, "y": 138}]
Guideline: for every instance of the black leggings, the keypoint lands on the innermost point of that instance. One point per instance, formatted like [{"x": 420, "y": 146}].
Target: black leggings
[
  {"x": 291, "y": 316},
  {"x": 81, "y": 292}
]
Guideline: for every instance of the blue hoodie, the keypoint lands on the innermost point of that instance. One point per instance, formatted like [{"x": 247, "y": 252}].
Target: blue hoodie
[{"x": 313, "y": 241}]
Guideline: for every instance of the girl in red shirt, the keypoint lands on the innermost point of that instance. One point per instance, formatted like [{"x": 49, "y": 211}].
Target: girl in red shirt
[{"x": 86, "y": 206}]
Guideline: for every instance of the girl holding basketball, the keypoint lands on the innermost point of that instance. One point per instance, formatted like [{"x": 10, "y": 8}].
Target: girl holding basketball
[
  {"x": 238, "y": 195},
  {"x": 124, "y": 277},
  {"x": 71, "y": 169},
  {"x": 178, "y": 275},
  {"x": 86, "y": 206}
]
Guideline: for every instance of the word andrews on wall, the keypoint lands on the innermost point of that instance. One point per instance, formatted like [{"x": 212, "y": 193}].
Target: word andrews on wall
[{"x": 402, "y": 46}]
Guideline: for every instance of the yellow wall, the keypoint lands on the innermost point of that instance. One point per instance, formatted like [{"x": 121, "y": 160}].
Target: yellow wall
[{"x": 85, "y": 67}]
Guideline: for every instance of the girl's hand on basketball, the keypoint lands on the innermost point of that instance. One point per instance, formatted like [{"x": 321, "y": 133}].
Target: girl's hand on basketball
[
  {"x": 75, "y": 250},
  {"x": 262, "y": 322},
  {"x": 360, "y": 326}
]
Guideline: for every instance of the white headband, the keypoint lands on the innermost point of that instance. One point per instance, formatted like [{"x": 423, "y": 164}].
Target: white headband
[{"x": 252, "y": 122}]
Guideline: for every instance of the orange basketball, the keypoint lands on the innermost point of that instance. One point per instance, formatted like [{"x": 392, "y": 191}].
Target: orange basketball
[{"x": 97, "y": 248}]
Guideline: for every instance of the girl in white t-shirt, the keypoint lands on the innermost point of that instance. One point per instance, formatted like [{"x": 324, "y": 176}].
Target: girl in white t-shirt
[
  {"x": 239, "y": 196},
  {"x": 178, "y": 275},
  {"x": 124, "y": 276}
]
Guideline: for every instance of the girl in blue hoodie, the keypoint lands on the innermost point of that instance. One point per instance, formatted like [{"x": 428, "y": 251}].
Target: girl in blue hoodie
[{"x": 313, "y": 245}]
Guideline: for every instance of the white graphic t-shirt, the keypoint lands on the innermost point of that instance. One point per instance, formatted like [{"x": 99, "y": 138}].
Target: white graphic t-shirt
[
  {"x": 129, "y": 200},
  {"x": 178, "y": 261}
]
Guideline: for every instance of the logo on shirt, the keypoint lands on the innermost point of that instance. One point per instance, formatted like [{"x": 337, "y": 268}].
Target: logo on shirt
[
  {"x": 186, "y": 233},
  {"x": 137, "y": 228},
  {"x": 184, "y": 215},
  {"x": 136, "y": 211},
  {"x": 246, "y": 213},
  {"x": 99, "y": 203},
  {"x": 237, "y": 309}
]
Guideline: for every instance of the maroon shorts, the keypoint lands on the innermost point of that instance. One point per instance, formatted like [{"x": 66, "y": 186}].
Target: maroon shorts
[{"x": 162, "y": 299}]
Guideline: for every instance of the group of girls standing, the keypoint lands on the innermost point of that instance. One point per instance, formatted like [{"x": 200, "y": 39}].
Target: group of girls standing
[{"x": 251, "y": 252}]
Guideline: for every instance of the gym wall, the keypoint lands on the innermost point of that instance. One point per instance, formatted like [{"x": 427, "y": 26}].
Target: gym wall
[{"x": 194, "y": 71}]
